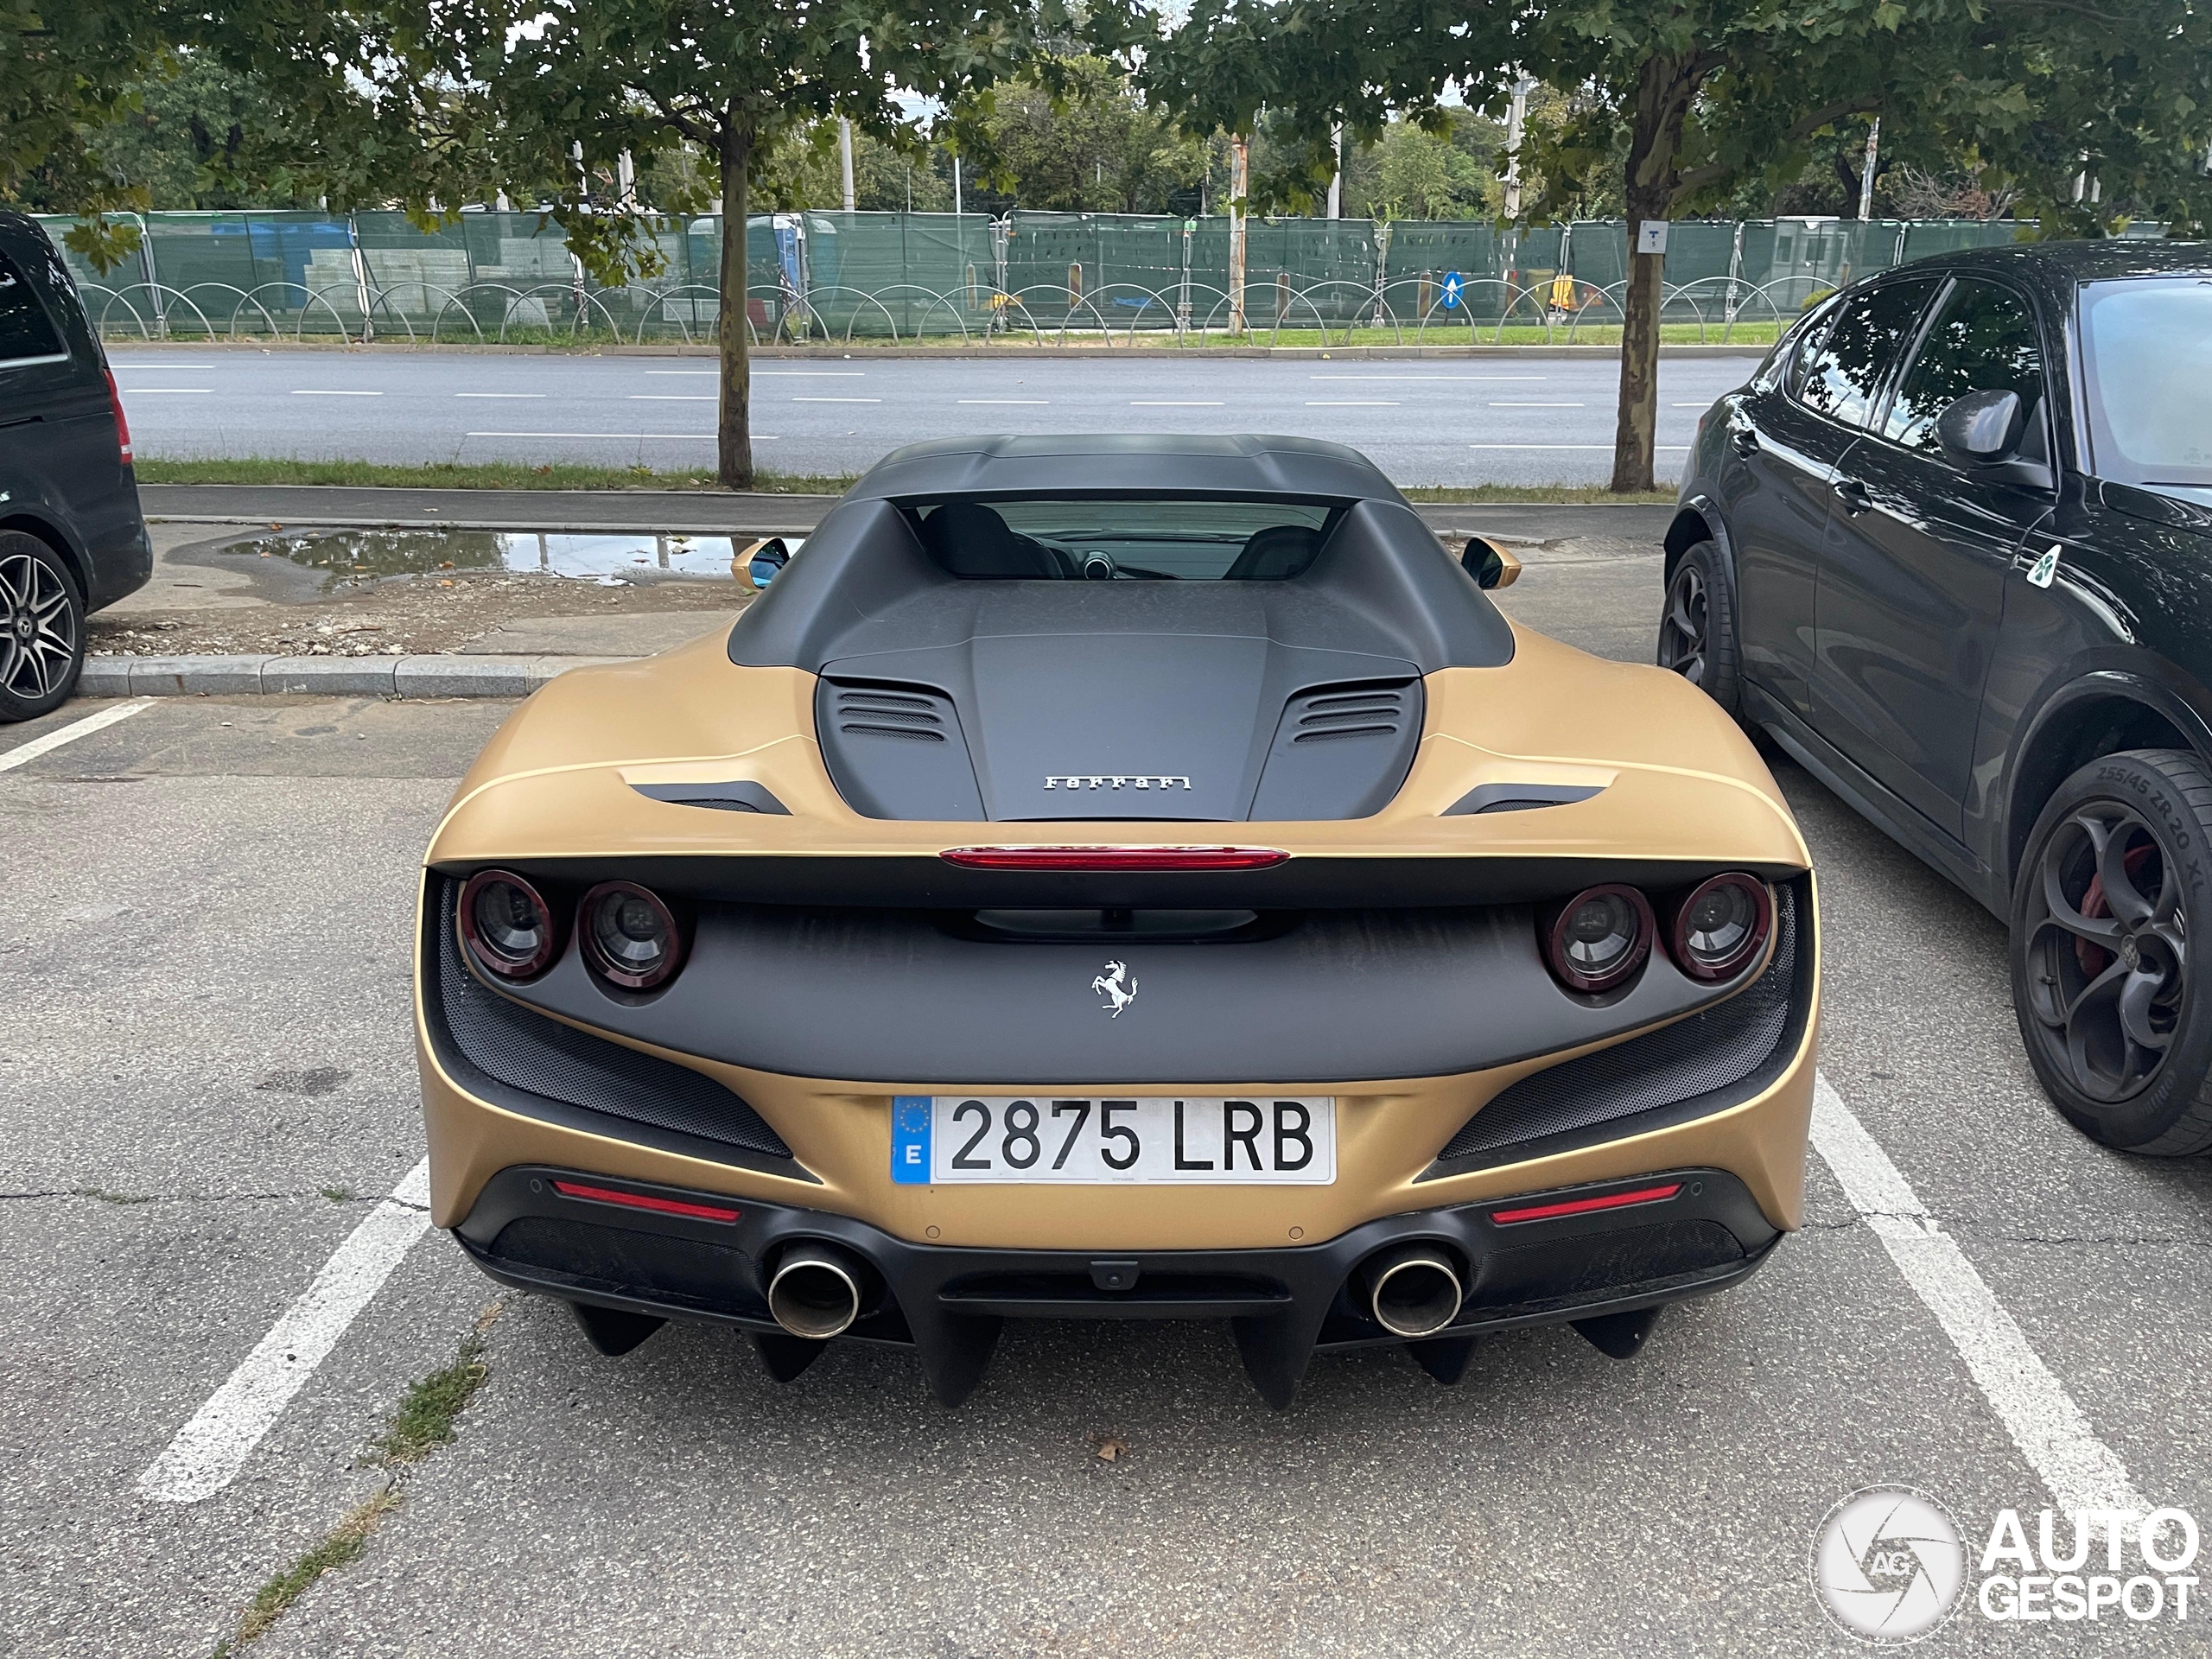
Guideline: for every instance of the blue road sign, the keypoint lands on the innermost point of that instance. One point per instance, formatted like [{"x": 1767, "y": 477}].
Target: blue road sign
[{"x": 1452, "y": 283}]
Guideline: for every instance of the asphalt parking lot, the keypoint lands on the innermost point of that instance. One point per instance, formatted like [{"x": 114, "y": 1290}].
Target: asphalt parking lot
[{"x": 207, "y": 1085}]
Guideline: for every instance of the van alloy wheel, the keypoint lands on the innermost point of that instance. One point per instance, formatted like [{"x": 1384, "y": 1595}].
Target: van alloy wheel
[{"x": 38, "y": 628}]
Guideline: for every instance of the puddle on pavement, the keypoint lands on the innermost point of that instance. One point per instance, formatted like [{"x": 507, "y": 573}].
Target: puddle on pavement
[{"x": 365, "y": 555}]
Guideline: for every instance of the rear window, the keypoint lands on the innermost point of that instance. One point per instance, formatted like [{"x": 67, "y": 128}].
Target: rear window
[
  {"x": 2148, "y": 345},
  {"x": 25, "y": 328},
  {"x": 1070, "y": 538}
]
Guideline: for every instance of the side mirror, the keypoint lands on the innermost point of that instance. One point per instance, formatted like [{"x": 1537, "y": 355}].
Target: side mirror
[
  {"x": 758, "y": 563},
  {"x": 1490, "y": 565},
  {"x": 1983, "y": 428}
]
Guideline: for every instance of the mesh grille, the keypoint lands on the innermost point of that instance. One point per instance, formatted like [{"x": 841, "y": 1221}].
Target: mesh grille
[
  {"x": 538, "y": 1054},
  {"x": 1696, "y": 1055},
  {"x": 1347, "y": 711},
  {"x": 885, "y": 713}
]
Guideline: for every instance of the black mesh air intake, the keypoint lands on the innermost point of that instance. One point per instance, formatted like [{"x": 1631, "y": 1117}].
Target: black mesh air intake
[
  {"x": 1704, "y": 1055},
  {"x": 540, "y": 1056}
]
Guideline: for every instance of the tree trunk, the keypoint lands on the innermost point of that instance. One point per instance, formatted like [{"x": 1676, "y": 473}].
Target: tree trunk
[
  {"x": 1665, "y": 86},
  {"x": 734, "y": 432}
]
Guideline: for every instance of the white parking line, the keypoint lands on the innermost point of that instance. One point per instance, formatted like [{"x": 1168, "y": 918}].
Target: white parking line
[
  {"x": 2082, "y": 1471},
  {"x": 23, "y": 754},
  {"x": 209, "y": 1451}
]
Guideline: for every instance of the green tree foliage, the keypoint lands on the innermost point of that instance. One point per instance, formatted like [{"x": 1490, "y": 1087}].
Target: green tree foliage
[
  {"x": 464, "y": 93},
  {"x": 1083, "y": 142},
  {"x": 1691, "y": 99},
  {"x": 68, "y": 69}
]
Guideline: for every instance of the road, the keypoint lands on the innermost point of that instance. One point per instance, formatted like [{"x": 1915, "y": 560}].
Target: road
[
  {"x": 204, "y": 958},
  {"x": 1517, "y": 421}
]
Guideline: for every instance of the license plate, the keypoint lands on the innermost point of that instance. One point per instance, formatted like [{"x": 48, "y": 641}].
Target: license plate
[{"x": 941, "y": 1139}]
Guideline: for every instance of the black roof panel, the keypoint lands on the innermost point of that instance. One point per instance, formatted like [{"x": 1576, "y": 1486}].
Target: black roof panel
[{"x": 1151, "y": 463}]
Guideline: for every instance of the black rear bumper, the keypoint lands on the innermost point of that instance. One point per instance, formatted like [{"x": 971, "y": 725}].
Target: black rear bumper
[{"x": 947, "y": 1303}]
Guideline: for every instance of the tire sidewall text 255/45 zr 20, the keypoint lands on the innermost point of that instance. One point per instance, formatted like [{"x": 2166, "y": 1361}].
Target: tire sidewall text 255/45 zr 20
[
  {"x": 41, "y": 627},
  {"x": 2153, "y": 807}
]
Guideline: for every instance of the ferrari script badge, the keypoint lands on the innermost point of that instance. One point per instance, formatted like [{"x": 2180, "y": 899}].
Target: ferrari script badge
[{"x": 1118, "y": 989}]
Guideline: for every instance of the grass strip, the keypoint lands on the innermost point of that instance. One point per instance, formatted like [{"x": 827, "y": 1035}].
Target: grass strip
[
  {"x": 475, "y": 475},
  {"x": 499, "y": 476},
  {"x": 341, "y": 1544},
  {"x": 427, "y": 1419}
]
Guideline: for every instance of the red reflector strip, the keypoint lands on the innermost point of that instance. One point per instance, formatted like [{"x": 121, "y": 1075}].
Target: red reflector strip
[
  {"x": 643, "y": 1201},
  {"x": 1101, "y": 859},
  {"x": 1583, "y": 1206}
]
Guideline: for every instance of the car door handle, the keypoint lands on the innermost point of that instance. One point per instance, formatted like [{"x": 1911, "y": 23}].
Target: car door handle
[{"x": 1852, "y": 492}]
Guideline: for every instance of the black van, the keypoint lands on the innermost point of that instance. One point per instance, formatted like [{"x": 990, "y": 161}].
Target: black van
[{"x": 71, "y": 538}]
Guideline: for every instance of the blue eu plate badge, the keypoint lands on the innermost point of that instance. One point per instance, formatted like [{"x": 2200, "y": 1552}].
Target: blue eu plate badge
[{"x": 910, "y": 1140}]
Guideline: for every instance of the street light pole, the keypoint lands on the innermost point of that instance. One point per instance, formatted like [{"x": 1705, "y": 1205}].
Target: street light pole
[
  {"x": 845, "y": 157},
  {"x": 1240, "y": 180}
]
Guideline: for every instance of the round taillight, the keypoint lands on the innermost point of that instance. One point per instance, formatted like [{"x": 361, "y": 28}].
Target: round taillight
[
  {"x": 630, "y": 938},
  {"x": 1599, "y": 938},
  {"x": 1721, "y": 925},
  {"x": 507, "y": 926}
]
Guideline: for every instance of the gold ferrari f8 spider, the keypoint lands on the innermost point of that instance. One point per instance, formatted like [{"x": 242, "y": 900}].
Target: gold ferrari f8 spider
[{"x": 1119, "y": 878}]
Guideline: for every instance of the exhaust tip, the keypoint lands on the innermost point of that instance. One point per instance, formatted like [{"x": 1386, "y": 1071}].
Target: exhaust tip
[
  {"x": 1413, "y": 1291},
  {"x": 815, "y": 1291}
]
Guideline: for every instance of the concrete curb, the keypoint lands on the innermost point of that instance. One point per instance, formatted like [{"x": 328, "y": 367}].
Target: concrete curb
[{"x": 329, "y": 676}]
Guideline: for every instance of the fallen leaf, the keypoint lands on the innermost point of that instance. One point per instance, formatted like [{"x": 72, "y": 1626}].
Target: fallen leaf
[{"x": 1109, "y": 1448}]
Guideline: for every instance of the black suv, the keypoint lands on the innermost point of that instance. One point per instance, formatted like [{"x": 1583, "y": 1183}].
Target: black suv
[
  {"x": 71, "y": 538},
  {"x": 1951, "y": 548}
]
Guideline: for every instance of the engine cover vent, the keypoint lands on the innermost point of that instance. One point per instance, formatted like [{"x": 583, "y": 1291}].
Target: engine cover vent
[
  {"x": 895, "y": 750},
  {"x": 1320, "y": 716},
  {"x": 1341, "y": 751}
]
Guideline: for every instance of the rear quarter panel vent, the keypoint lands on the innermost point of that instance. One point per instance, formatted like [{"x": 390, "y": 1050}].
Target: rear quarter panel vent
[
  {"x": 1340, "y": 751},
  {"x": 896, "y": 750}
]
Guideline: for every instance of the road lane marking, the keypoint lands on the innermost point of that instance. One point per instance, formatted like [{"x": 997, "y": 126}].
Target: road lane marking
[
  {"x": 618, "y": 437},
  {"x": 1533, "y": 406},
  {"x": 499, "y": 394},
  {"x": 322, "y": 391},
  {"x": 1000, "y": 400},
  {"x": 2082, "y": 1471},
  {"x": 209, "y": 1451},
  {"x": 837, "y": 400},
  {"x": 1349, "y": 403},
  {"x": 1606, "y": 449},
  {"x": 1425, "y": 377},
  {"x": 1175, "y": 402},
  {"x": 24, "y": 753},
  {"x": 174, "y": 391},
  {"x": 671, "y": 397},
  {"x": 1708, "y": 403},
  {"x": 781, "y": 374}
]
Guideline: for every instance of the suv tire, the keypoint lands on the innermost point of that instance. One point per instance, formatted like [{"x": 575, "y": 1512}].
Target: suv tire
[{"x": 41, "y": 628}]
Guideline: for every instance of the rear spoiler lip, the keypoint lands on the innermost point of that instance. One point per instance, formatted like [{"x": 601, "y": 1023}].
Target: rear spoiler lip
[{"x": 1306, "y": 882}]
